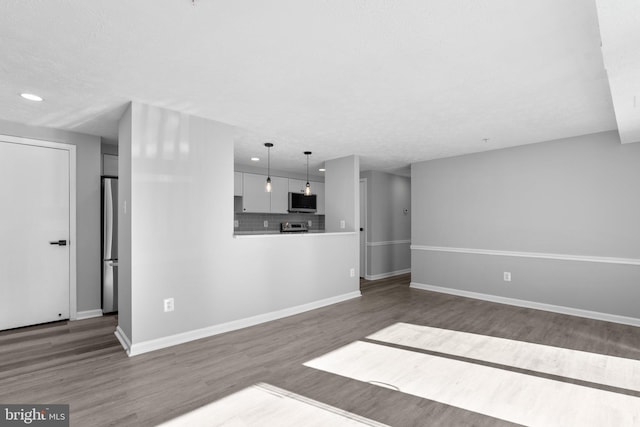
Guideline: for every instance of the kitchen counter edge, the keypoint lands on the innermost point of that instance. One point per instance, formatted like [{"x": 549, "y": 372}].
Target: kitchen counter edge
[{"x": 272, "y": 235}]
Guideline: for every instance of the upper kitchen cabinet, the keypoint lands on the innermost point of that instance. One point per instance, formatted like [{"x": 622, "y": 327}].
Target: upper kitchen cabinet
[
  {"x": 279, "y": 195},
  {"x": 297, "y": 185},
  {"x": 254, "y": 195},
  {"x": 256, "y": 199},
  {"x": 237, "y": 183}
]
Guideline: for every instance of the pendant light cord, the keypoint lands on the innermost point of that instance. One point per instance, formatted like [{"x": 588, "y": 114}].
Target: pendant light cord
[
  {"x": 307, "y": 190},
  {"x": 268, "y": 186}
]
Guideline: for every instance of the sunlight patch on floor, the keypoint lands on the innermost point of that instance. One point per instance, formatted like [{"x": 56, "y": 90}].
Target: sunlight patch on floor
[
  {"x": 499, "y": 393},
  {"x": 266, "y": 405},
  {"x": 581, "y": 365}
]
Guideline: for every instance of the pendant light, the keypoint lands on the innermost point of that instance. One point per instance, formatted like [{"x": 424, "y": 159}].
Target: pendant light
[
  {"x": 307, "y": 189},
  {"x": 268, "y": 186}
]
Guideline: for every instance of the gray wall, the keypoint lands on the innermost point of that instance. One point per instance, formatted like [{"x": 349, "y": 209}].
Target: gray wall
[
  {"x": 341, "y": 186},
  {"x": 88, "y": 271},
  {"x": 388, "y": 227},
  {"x": 108, "y": 148},
  {"x": 575, "y": 196}
]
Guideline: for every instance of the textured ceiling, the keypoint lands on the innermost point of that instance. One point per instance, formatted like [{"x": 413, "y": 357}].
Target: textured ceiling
[{"x": 392, "y": 81}]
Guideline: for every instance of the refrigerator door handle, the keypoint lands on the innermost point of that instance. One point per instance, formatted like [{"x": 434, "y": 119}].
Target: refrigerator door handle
[{"x": 108, "y": 219}]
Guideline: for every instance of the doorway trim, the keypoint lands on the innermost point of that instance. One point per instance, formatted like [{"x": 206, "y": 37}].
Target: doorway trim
[
  {"x": 71, "y": 149},
  {"x": 363, "y": 209}
]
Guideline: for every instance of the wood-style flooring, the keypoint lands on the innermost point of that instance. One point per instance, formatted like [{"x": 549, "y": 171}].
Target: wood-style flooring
[{"x": 82, "y": 364}]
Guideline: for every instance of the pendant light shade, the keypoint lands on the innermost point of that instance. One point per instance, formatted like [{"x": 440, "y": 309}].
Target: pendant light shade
[
  {"x": 307, "y": 189},
  {"x": 268, "y": 185}
]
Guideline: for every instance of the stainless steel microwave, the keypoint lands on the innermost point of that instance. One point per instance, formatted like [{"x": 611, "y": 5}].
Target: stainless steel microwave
[{"x": 298, "y": 202}]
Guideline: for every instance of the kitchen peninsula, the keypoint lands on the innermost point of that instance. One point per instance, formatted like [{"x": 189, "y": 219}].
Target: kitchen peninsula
[{"x": 219, "y": 282}]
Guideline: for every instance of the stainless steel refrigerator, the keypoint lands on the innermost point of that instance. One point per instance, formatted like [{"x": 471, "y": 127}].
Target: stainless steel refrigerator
[{"x": 109, "y": 244}]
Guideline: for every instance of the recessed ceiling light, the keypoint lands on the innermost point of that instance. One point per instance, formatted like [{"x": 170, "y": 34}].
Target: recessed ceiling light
[
  {"x": 255, "y": 159},
  {"x": 31, "y": 97},
  {"x": 321, "y": 169}
]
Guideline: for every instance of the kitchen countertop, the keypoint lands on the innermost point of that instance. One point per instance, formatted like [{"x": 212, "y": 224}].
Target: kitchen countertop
[{"x": 254, "y": 234}]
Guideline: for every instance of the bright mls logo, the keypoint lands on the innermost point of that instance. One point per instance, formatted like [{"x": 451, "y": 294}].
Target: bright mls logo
[{"x": 34, "y": 415}]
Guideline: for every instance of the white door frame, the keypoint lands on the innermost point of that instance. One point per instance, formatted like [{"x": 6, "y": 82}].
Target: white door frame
[
  {"x": 363, "y": 209},
  {"x": 73, "y": 309}
]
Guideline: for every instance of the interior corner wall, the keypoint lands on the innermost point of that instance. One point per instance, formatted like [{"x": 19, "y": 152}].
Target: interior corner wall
[
  {"x": 125, "y": 135},
  {"x": 563, "y": 213},
  {"x": 342, "y": 186},
  {"x": 388, "y": 225},
  {"x": 88, "y": 273},
  {"x": 108, "y": 148}
]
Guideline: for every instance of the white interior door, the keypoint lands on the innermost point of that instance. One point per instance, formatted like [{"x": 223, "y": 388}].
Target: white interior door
[{"x": 34, "y": 274}]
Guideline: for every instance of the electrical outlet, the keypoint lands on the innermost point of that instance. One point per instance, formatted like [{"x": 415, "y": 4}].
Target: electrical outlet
[
  {"x": 352, "y": 272},
  {"x": 236, "y": 223},
  {"x": 506, "y": 276},
  {"x": 168, "y": 305},
  {"x": 266, "y": 224},
  {"x": 309, "y": 223},
  {"x": 342, "y": 223}
]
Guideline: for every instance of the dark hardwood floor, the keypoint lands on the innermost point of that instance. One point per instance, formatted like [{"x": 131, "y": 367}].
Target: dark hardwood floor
[{"x": 82, "y": 364}]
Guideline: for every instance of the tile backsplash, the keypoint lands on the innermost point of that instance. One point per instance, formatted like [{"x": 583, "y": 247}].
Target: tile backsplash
[{"x": 248, "y": 222}]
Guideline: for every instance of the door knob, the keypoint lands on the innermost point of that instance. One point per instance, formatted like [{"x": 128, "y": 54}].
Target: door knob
[{"x": 59, "y": 243}]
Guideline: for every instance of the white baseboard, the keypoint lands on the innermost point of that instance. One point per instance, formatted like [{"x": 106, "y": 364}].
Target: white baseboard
[
  {"x": 389, "y": 274},
  {"x": 88, "y": 314},
  {"x": 125, "y": 342},
  {"x": 157, "y": 344},
  {"x": 530, "y": 304}
]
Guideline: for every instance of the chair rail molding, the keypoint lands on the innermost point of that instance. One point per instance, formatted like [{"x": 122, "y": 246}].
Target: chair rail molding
[
  {"x": 543, "y": 255},
  {"x": 389, "y": 242}
]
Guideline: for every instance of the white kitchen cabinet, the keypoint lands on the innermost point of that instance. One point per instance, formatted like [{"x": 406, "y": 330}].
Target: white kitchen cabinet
[
  {"x": 237, "y": 183},
  {"x": 297, "y": 185},
  {"x": 279, "y": 195},
  {"x": 317, "y": 188},
  {"x": 254, "y": 194},
  {"x": 255, "y": 198}
]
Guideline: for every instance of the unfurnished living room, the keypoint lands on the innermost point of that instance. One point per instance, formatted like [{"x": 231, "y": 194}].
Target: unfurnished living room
[{"x": 320, "y": 213}]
